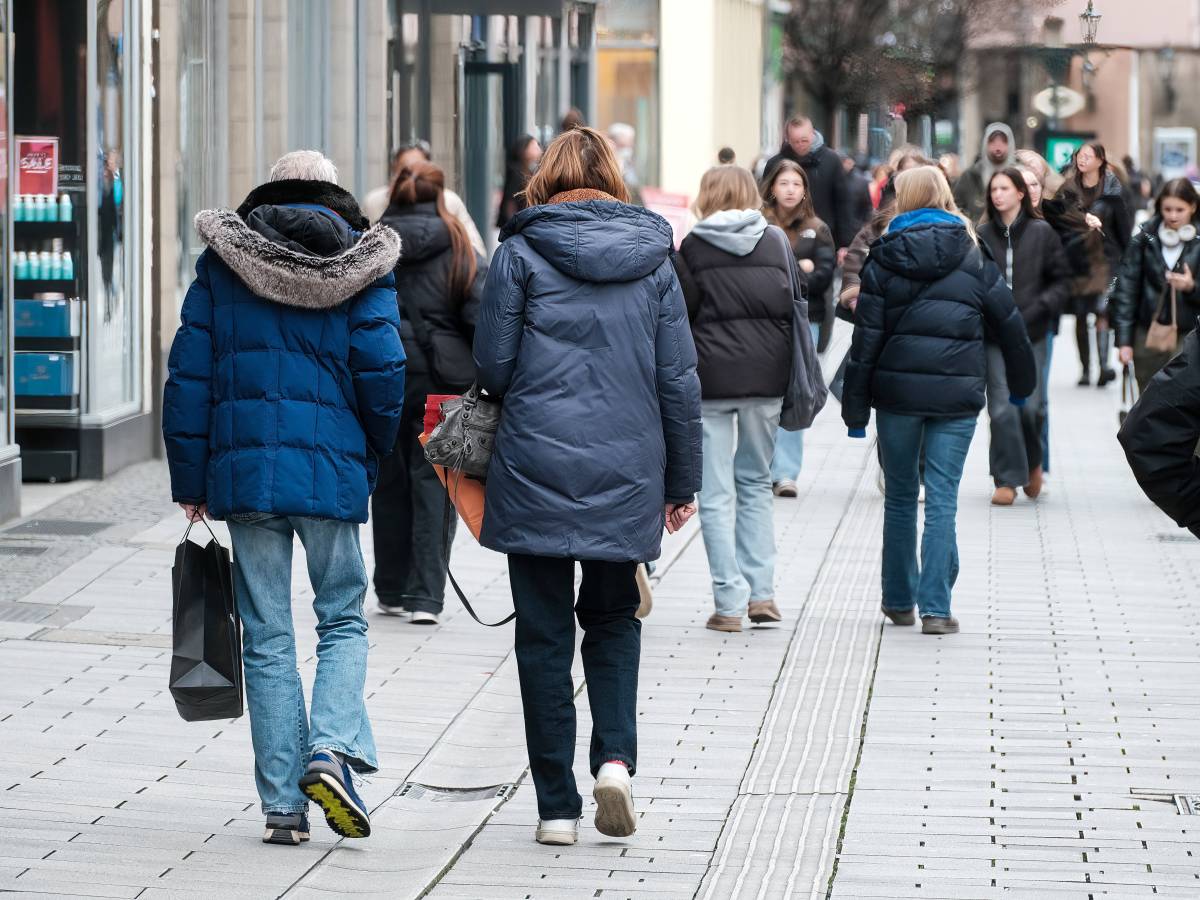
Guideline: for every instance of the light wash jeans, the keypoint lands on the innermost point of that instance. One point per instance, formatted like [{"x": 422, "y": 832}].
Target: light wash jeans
[
  {"x": 736, "y": 504},
  {"x": 279, "y": 723},
  {"x": 789, "y": 445},
  {"x": 946, "y": 443}
]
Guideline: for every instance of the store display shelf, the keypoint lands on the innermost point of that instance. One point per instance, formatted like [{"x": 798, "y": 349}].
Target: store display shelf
[
  {"x": 37, "y": 406},
  {"x": 45, "y": 229},
  {"x": 27, "y": 287},
  {"x": 48, "y": 344}
]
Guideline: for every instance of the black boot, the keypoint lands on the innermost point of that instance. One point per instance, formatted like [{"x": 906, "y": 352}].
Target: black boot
[
  {"x": 1083, "y": 341},
  {"x": 1104, "y": 342}
]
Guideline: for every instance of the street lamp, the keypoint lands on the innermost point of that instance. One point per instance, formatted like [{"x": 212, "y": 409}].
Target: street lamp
[{"x": 1089, "y": 24}]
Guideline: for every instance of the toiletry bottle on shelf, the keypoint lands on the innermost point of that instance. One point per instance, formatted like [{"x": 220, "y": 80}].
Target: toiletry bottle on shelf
[
  {"x": 20, "y": 265},
  {"x": 18, "y": 210},
  {"x": 45, "y": 264},
  {"x": 66, "y": 212},
  {"x": 56, "y": 266},
  {"x": 68, "y": 267}
]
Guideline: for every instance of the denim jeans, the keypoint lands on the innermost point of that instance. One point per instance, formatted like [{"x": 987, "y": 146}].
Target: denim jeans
[
  {"x": 543, "y": 591},
  {"x": 408, "y": 515},
  {"x": 946, "y": 442},
  {"x": 736, "y": 504},
  {"x": 789, "y": 445},
  {"x": 283, "y": 732},
  {"x": 1015, "y": 448}
]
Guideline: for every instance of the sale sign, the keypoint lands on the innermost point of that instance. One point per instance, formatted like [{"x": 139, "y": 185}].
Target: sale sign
[{"x": 37, "y": 165}]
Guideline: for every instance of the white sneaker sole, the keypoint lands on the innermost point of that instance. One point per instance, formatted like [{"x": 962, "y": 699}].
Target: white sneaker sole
[
  {"x": 557, "y": 838},
  {"x": 614, "y": 809}
]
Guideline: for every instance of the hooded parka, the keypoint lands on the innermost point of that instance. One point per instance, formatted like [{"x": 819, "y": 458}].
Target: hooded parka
[
  {"x": 583, "y": 332},
  {"x": 286, "y": 376},
  {"x": 929, "y": 296},
  {"x": 1142, "y": 285}
]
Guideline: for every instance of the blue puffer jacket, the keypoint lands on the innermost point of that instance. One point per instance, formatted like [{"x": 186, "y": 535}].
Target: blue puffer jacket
[
  {"x": 584, "y": 332},
  {"x": 287, "y": 373}
]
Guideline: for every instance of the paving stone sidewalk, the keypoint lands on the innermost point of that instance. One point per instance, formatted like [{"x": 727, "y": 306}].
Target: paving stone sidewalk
[{"x": 1033, "y": 755}]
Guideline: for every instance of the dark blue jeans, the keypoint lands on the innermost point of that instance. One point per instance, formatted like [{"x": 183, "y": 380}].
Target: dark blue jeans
[
  {"x": 946, "y": 441},
  {"x": 543, "y": 593}
]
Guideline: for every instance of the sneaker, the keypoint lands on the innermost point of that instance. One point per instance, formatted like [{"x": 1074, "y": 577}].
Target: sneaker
[
  {"x": 785, "y": 488},
  {"x": 764, "y": 611},
  {"x": 902, "y": 617},
  {"x": 328, "y": 783},
  {"x": 391, "y": 609},
  {"x": 717, "y": 622},
  {"x": 645, "y": 593},
  {"x": 614, "y": 801},
  {"x": 921, "y": 494},
  {"x": 1004, "y": 496},
  {"x": 557, "y": 832},
  {"x": 1036, "y": 480},
  {"x": 286, "y": 828},
  {"x": 420, "y": 617},
  {"x": 939, "y": 625}
]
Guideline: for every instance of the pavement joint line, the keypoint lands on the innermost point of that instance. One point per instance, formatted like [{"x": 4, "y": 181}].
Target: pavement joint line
[{"x": 779, "y": 693}]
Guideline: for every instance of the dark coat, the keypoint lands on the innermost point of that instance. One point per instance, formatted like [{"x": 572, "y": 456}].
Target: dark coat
[
  {"x": 286, "y": 377},
  {"x": 1041, "y": 277},
  {"x": 811, "y": 240},
  {"x": 1142, "y": 285},
  {"x": 827, "y": 187},
  {"x": 584, "y": 332},
  {"x": 1160, "y": 437},
  {"x": 929, "y": 296},
  {"x": 1083, "y": 246},
  {"x": 740, "y": 308},
  {"x": 438, "y": 330},
  {"x": 1110, "y": 209}
]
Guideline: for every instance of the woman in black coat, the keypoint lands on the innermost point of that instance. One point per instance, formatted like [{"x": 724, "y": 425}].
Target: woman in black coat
[
  {"x": 928, "y": 295},
  {"x": 439, "y": 279},
  {"x": 1034, "y": 265},
  {"x": 523, "y": 158},
  {"x": 1094, "y": 190},
  {"x": 1163, "y": 259}
]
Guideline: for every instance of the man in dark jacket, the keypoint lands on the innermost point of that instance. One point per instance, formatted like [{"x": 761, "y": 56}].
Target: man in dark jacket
[
  {"x": 1160, "y": 437},
  {"x": 285, "y": 388},
  {"x": 826, "y": 178}
]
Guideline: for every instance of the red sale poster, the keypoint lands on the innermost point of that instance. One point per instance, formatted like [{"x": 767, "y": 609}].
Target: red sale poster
[{"x": 37, "y": 165}]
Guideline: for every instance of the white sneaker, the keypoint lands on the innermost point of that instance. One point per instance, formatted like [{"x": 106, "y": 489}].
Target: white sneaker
[
  {"x": 614, "y": 801},
  {"x": 385, "y": 609},
  {"x": 424, "y": 618},
  {"x": 559, "y": 832}
]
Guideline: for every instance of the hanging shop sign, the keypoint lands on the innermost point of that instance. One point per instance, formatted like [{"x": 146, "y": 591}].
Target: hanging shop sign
[{"x": 37, "y": 165}]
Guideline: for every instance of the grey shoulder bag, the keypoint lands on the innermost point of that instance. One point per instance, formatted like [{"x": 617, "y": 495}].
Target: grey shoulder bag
[{"x": 466, "y": 436}]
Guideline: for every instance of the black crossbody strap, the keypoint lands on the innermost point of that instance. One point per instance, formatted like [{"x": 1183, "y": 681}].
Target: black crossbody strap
[{"x": 446, "y": 552}]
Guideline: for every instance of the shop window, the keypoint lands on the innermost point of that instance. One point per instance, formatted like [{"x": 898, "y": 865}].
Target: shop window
[{"x": 627, "y": 77}]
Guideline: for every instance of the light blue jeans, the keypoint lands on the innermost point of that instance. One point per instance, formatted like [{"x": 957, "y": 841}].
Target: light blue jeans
[
  {"x": 946, "y": 441},
  {"x": 736, "y": 504},
  {"x": 789, "y": 445},
  {"x": 283, "y": 732}
]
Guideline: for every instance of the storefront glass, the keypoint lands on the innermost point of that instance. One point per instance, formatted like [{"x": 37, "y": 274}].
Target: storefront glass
[{"x": 627, "y": 76}]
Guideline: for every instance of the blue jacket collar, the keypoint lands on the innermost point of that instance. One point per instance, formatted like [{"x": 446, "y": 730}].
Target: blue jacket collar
[{"x": 924, "y": 217}]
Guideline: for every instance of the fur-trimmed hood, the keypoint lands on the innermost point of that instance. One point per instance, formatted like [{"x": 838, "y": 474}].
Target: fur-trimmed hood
[{"x": 293, "y": 278}]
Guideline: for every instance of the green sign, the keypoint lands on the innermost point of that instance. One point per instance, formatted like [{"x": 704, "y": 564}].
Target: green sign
[{"x": 1060, "y": 149}]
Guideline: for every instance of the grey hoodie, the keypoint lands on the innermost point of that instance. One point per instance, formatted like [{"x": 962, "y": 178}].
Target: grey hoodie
[
  {"x": 735, "y": 231},
  {"x": 986, "y": 168}
]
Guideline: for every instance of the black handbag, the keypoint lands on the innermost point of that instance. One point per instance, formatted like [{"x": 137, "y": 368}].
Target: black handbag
[
  {"x": 206, "y": 658},
  {"x": 466, "y": 436}
]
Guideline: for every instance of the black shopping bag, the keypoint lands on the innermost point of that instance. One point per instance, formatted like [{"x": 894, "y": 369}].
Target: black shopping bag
[{"x": 206, "y": 662}]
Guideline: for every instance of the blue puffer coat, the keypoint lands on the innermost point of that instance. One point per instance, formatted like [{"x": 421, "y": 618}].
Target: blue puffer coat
[
  {"x": 584, "y": 332},
  {"x": 287, "y": 373}
]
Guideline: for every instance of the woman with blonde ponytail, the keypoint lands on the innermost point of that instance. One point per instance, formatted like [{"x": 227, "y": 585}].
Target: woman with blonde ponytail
[{"x": 928, "y": 294}]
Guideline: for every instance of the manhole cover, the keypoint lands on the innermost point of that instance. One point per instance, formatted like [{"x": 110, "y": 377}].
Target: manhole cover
[
  {"x": 414, "y": 791},
  {"x": 1176, "y": 537},
  {"x": 62, "y": 527},
  {"x": 21, "y": 550}
]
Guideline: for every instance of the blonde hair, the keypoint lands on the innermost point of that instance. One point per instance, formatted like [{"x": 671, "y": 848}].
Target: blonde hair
[
  {"x": 577, "y": 159},
  {"x": 926, "y": 187},
  {"x": 726, "y": 187},
  {"x": 1050, "y": 180}
]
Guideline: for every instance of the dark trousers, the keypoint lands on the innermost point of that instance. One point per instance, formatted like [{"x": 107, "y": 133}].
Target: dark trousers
[
  {"x": 408, "y": 511},
  {"x": 1016, "y": 445},
  {"x": 543, "y": 592}
]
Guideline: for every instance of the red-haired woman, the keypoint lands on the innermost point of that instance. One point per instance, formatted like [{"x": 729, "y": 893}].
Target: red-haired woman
[{"x": 438, "y": 282}]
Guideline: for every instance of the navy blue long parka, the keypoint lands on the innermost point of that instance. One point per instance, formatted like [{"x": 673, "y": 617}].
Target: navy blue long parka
[
  {"x": 584, "y": 333},
  {"x": 286, "y": 377}
]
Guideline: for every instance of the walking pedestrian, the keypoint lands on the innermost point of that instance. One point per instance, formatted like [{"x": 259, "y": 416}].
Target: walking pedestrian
[
  {"x": 858, "y": 188},
  {"x": 523, "y": 157},
  {"x": 788, "y": 205},
  {"x": 736, "y": 272},
  {"x": 805, "y": 145},
  {"x": 1034, "y": 266},
  {"x": 998, "y": 152},
  {"x": 928, "y": 295},
  {"x": 1158, "y": 279},
  {"x": 439, "y": 280},
  {"x": 583, "y": 331},
  {"x": 1091, "y": 188},
  {"x": 285, "y": 386}
]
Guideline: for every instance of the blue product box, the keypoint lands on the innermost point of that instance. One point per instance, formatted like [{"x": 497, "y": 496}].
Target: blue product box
[
  {"x": 46, "y": 318},
  {"x": 45, "y": 374}
]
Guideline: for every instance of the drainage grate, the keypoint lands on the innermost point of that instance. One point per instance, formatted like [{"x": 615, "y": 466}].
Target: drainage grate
[
  {"x": 1175, "y": 537},
  {"x": 61, "y": 527},
  {"x": 21, "y": 550},
  {"x": 1188, "y": 804},
  {"x": 414, "y": 791}
]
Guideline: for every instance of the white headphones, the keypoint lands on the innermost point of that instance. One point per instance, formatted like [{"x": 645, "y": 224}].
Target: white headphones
[{"x": 1172, "y": 237}]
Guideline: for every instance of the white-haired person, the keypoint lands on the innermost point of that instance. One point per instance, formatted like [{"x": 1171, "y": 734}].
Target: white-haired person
[{"x": 285, "y": 390}]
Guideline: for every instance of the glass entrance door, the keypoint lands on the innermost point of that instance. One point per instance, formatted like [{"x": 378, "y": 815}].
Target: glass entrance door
[{"x": 492, "y": 120}]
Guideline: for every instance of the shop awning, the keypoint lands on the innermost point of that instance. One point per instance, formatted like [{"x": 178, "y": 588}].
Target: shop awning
[{"x": 504, "y": 7}]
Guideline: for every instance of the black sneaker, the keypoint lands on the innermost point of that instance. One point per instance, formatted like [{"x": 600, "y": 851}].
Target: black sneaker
[
  {"x": 328, "y": 783},
  {"x": 286, "y": 828}
]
